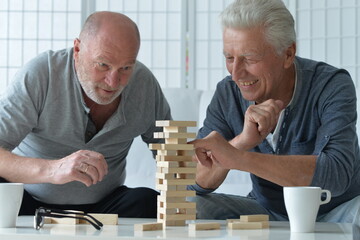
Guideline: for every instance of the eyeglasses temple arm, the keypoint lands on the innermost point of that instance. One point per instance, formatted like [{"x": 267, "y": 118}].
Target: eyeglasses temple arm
[{"x": 97, "y": 226}]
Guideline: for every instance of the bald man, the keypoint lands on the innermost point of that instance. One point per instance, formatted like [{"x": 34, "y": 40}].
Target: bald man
[{"x": 69, "y": 117}]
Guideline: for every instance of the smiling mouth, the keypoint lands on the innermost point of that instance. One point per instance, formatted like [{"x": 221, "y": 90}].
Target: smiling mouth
[{"x": 248, "y": 83}]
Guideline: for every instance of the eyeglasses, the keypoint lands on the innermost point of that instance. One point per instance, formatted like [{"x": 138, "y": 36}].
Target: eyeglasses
[{"x": 42, "y": 212}]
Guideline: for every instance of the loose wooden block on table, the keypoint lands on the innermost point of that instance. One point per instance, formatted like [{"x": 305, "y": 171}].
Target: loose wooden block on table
[
  {"x": 254, "y": 218},
  {"x": 204, "y": 226},
  {"x": 148, "y": 226},
  {"x": 230, "y": 220},
  {"x": 248, "y": 225},
  {"x": 71, "y": 221},
  {"x": 104, "y": 218}
]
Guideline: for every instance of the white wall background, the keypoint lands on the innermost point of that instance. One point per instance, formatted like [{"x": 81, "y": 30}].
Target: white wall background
[{"x": 181, "y": 41}]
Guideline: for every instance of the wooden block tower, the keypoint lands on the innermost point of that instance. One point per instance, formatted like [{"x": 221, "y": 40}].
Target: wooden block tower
[{"x": 175, "y": 170}]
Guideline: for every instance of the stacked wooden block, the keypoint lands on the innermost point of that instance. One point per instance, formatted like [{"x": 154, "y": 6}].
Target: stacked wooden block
[
  {"x": 175, "y": 170},
  {"x": 249, "y": 222}
]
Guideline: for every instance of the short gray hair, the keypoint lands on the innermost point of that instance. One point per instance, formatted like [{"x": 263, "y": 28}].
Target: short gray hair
[{"x": 272, "y": 15}]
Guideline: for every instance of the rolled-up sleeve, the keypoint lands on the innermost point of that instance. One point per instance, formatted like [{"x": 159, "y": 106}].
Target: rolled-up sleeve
[{"x": 336, "y": 145}]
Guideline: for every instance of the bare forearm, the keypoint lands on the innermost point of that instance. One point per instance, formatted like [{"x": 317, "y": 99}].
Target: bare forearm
[
  {"x": 14, "y": 168},
  {"x": 210, "y": 178},
  {"x": 290, "y": 170}
]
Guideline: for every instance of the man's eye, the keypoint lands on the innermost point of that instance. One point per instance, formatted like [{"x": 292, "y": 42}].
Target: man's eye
[
  {"x": 127, "y": 68},
  {"x": 251, "y": 60},
  {"x": 102, "y": 65}
]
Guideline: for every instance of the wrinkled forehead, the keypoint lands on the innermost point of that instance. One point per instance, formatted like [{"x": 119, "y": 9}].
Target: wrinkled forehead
[{"x": 246, "y": 40}]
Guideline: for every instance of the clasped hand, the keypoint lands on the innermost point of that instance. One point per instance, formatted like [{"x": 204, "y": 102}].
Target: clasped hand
[
  {"x": 85, "y": 166},
  {"x": 260, "y": 120}
]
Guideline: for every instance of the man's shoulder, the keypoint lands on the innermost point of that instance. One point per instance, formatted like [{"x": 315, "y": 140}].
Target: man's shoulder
[
  {"x": 49, "y": 58},
  {"x": 317, "y": 67}
]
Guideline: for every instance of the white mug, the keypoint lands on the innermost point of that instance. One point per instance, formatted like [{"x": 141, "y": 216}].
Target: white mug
[
  {"x": 302, "y": 205},
  {"x": 10, "y": 201}
]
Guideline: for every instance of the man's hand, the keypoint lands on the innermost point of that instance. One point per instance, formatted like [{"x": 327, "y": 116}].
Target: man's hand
[
  {"x": 214, "y": 150},
  {"x": 85, "y": 166},
  {"x": 260, "y": 120}
]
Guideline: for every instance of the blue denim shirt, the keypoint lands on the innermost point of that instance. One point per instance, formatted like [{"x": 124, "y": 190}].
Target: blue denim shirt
[{"x": 321, "y": 121}]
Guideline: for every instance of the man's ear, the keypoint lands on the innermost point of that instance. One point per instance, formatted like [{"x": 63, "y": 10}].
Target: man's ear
[
  {"x": 76, "y": 47},
  {"x": 290, "y": 55}
]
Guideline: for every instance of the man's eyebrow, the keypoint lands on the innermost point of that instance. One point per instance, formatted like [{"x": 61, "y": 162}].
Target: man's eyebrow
[
  {"x": 101, "y": 58},
  {"x": 246, "y": 54}
]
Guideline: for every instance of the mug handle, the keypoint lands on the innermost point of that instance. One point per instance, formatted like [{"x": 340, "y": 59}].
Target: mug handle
[{"x": 328, "y": 197}]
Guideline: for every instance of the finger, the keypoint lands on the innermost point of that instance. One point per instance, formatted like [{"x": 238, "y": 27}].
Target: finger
[
  {"x": 83, "y": 167},
  {"x": 202, "y": 157},
  {"x": 84, "y": 178},
  {"x": 266, "y": 115},
  {"x": 260, "y": 117},
  {"x": 92, "y": 172},
  {"x": 98, "y": 161}
]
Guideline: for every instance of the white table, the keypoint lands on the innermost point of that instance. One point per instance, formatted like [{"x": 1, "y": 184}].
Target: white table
[{"x": 125, "y": 230}]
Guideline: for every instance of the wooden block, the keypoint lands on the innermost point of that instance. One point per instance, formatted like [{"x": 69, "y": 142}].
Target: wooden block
[
  {"x": 185, "y": 152},
  {"x": 179, "y": 205},
  {"x": 179, "y": 181},
  {"x": 167, "y": 199},
  {"x": 47, "y": 220},
  {"x": 167, "y": 153},
  {"x": 148, "y": 226},
  {"x": 204, "y": 226},
  {"x": 104, "y": 218},
  {"x": 175, "y": 129},
  {"x": 174, "y": 135},
  {"x": 168, "y": 123},
  {"x": 175, "y": 164},
  {"x": 175, "y": 141},
  {"x": 185, "y": 176},
  {"x": 173, "y": 222},
  {"x": 248, "y": 225},
  {"x": 181, "y": 188},
  {"x": 72, "y": 221},
  {"x": 164, "y": 211},
  {"x": 170, "y": 217},
  {"x": 232, "y": 220},
  {"x": 177, "y": 169},
  {"x": 167, "y": 164},
  {"x": 174, "y": 158},
  {"x": 254, "y": 218},
  {"x": 164, "y": 187},
  {"x": 162, "y": 146},
  {"x": 161, "y": 210},
  {"x": 165, "y": 176},
  {"x": 185, "y": 193}
]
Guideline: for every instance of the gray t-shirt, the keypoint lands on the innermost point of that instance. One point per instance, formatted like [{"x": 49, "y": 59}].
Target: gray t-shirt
[{"x": 43, "y": 115}]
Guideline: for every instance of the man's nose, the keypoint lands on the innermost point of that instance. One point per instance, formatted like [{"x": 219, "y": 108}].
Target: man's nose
[
  {"x": 114, "y": 79},
  {"x": 238, "y": 69}
]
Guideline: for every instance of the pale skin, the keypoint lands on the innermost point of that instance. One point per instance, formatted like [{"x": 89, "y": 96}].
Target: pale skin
[
  {"x": 104, "y": 62},
  {"x": 267, "y": 78}
]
